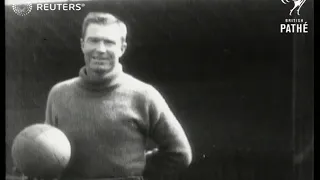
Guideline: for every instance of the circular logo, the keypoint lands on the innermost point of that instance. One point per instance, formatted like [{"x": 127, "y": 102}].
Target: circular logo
[{"x": 22, "y": 9}]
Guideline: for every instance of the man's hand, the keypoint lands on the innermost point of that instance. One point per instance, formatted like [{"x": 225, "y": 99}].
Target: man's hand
[
  {"x": 17, "y": 172},
  {"x": 37, "y": 178},
  {"x": 151, "y": 152}
]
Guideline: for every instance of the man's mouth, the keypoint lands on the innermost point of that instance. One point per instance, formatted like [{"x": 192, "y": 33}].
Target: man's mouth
[{"x": 99, "y": 59}]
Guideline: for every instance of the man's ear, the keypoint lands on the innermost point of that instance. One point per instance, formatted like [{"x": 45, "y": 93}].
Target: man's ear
[
  {"x": 123, "y": 47},
  {"x": 81, "y": 43}
]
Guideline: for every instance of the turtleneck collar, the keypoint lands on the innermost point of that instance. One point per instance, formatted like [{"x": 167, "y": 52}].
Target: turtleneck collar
[{"x": 109, "y": 80}]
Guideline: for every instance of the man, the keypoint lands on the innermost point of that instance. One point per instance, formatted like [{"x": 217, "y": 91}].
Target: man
[{"x": 108, "y": 115}]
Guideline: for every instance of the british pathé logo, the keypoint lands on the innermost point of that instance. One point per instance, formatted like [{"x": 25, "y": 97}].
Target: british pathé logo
[
  {"x": 294, "y": 25},
  {"x": 297, "y": 5},
  {"x": 22, "y": 9}
]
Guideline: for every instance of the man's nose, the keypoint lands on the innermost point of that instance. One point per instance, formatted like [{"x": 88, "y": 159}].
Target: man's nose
[{"x": 101, "y": 47}]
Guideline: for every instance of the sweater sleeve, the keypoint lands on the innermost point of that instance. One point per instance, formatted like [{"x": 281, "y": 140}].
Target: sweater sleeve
[
  {"x": 174, "y": 152},
  {"x": 50, "y": 117}
]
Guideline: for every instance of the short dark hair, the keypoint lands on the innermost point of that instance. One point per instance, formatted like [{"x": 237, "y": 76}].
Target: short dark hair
[{"x": 103, "y": 18}]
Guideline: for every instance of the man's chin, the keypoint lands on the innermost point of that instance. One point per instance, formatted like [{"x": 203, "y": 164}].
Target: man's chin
[{"x": 101, "y": 70}]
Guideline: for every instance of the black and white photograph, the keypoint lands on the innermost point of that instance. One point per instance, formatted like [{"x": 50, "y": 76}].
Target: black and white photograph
[{"x": 159, "y": 89}]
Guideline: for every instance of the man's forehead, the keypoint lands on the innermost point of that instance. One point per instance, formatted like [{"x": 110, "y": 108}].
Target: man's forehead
[{"x": 110, "y": 31}]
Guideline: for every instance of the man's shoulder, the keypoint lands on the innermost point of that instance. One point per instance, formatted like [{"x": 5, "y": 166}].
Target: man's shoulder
[
  {"x": 136, "y": 84},
  {"x": 65, "y": 84},
  {"x": 141, "y": 87}
]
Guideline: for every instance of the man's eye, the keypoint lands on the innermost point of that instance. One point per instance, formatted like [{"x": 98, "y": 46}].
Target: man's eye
[
  {"x": 109, "y": 42},
  {"x": 94, "y": 40}
]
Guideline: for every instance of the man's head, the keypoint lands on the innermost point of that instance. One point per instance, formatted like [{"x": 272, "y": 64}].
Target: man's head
[{"x": 103, "y": 41}]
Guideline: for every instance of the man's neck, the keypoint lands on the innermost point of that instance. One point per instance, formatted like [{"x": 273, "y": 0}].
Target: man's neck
[
  {"x": 96, "y": 74},
  {"x": 96, "y": 80}
]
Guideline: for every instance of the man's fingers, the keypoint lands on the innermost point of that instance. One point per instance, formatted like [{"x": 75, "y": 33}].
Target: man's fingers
[
  {"x": 33, "y": 178},
  {"x": 44, "y": 179},
  {"x": 38, "y": 178}
]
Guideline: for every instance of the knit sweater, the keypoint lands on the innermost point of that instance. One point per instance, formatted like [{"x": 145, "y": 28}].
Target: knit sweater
[{"x": 108, "y": 121}]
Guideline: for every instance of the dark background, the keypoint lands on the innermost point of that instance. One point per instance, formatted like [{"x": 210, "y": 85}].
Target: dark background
[{"x": 242, "y": 90}]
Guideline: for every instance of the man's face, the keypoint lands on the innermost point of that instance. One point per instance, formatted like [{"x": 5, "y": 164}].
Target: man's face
[{"x": 102, "y": 47}]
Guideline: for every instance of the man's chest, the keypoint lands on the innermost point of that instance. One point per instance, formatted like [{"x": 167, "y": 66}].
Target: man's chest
[{"x": 101, "y": 115}]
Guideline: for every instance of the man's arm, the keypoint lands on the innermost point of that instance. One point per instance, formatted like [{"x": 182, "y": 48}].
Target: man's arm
[
  {"x": 174, "y": 153},
  {"x": 50, "y": 117}
]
